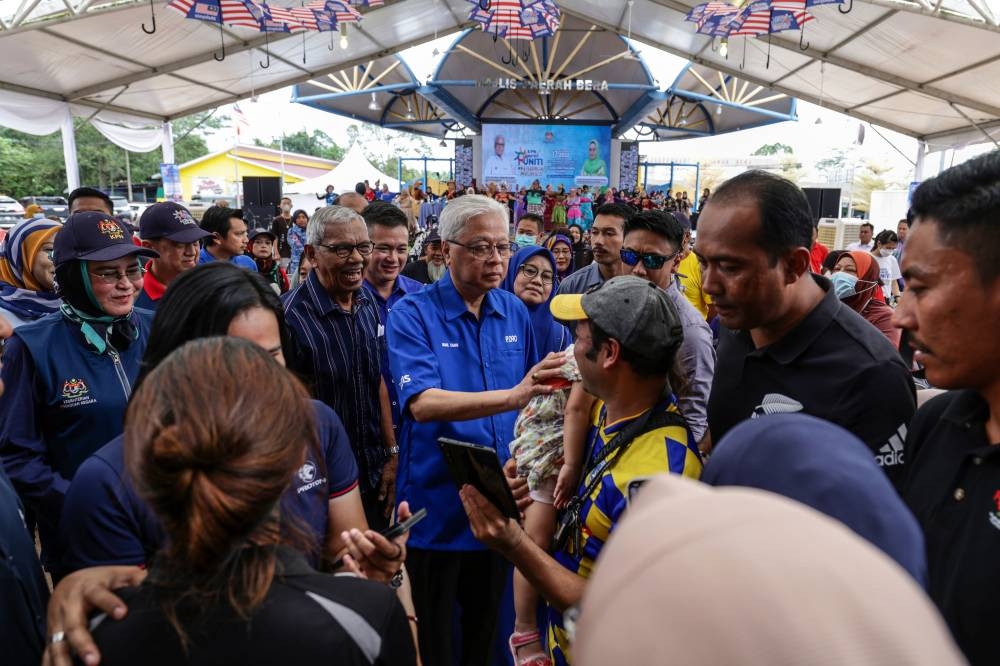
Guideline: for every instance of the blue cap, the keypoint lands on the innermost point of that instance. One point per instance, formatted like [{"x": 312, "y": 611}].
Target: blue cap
[
  {"x": 172, "y": 221},
  {"x": 95, "y": 236}
]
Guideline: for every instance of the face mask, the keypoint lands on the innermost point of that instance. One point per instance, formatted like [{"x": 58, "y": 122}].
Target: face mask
[
  {"x": 844, "y": 284},
  {"x": 884, "y": 253},
  {"x": 286, "y": 208},
  {"x": 524, "y": 240}
]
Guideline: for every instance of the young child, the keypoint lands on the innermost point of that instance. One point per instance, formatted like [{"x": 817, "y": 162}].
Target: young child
[
  {"x": 549, "y": 450},
  {"x": 262, "y": 252}
]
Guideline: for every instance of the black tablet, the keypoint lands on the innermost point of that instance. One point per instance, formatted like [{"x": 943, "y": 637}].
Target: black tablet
[{"x": 479, "y": 467}]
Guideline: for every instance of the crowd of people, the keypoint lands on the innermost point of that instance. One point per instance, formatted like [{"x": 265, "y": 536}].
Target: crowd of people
[{"x": 746, "y": 450}]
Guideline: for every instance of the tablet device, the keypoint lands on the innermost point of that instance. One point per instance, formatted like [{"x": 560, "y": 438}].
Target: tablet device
[{"x": 479, "y": 467}]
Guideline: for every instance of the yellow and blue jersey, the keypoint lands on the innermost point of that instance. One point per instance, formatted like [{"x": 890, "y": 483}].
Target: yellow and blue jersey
[{"x": 669, "y": 448}]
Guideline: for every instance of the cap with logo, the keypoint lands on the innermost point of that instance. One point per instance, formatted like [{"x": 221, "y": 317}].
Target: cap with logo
[
  {"x": 95, "y": 236},
  {"x": 629, "y": 309},
  {"x": 172, "y": 221},
  {"x": 261, "y": 232},
  {"x": 432, "y": 237}
]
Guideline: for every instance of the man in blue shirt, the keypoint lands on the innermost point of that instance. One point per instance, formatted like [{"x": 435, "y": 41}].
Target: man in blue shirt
[
  {"x": 228, "y": 240},
  {"x": 336, "y": 346},
  {"x": 387, "y": 229},
  {"x": 463, "y": 359}
]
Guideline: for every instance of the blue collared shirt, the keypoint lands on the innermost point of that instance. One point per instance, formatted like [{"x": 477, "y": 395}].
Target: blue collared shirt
[
  {"x": 338, "y": 352},
  {"x": 402, "y": 287},
  {"x": 241, "y": 260},
  {"x": 437, "y": 343}
]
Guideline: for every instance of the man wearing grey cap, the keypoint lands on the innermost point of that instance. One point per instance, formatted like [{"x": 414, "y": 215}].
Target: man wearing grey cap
[
  {"x": 627, "y": 335},
  {"x": 168, "y": 228}
]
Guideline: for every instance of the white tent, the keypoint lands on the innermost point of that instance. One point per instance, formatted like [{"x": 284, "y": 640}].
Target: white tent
[{"x": 353, "y": 169}]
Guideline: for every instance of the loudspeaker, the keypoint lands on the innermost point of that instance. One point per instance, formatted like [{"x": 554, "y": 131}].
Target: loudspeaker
[{"x": 824, "y": 202}]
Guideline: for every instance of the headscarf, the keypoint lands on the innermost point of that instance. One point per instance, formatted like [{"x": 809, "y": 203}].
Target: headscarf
[
  {"x": 823, "y": 466},
  {"x": 20, "y": 292},
  {"x": 715, "y": 576},
  {"x": 550, "y": 244},
  {"x": 867, "y": 270},
  {"x": 550, "y": 335}
]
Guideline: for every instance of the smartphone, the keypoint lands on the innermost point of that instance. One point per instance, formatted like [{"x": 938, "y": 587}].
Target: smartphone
[
  {"x": 398, "y": 529},
  {"x": 391, "y": 532},
  {"x": 479, "y": 467}
]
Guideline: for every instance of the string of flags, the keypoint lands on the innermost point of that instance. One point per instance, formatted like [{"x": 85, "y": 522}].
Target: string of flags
[
  {"x": 759, "y": 17},
  {"x": 516, "y": 19},
  {"x": 317, "y": 15}
]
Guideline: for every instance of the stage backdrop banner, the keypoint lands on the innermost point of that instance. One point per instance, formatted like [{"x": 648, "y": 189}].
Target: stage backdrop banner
[
  {"x": 463, "y": 162},
  {"x": 568, "y": 155}
]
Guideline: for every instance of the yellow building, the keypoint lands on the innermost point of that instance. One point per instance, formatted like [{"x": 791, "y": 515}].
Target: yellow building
[{"x": 219, "y": 175}]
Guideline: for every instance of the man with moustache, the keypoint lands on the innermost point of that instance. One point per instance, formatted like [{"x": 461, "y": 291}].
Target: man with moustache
[
  {"x": 951, "y": 464},
  {"x": 337, "y": 345},
  {"x": 606, "y": 241},
  {"x": 787, "y": 343}
]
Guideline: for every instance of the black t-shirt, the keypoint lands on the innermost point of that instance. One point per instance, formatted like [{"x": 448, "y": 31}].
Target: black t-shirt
[
  {"x": 280, "y": 227},
  {"x": 306, "y": 618},
  {"x": 833, "y": 365},
  {"x": 951, "y": 482}
]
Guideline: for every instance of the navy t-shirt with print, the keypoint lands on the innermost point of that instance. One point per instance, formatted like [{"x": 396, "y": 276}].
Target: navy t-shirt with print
[{"x": 104, "y": 521}]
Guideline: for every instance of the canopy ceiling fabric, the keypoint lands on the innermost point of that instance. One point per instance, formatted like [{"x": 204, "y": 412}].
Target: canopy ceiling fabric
[{"x": 912, "y": 66}]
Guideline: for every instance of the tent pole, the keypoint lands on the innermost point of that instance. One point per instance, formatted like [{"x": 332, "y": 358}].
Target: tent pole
[
  {"x": 69, "y": 153},
  {"x": 128, "y": 175}
]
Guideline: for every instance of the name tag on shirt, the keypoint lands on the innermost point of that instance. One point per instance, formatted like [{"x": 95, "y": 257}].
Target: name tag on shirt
[{"x": 450, "y": 345}]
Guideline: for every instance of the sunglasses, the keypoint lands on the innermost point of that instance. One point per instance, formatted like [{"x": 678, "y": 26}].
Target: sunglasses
[{"x": 650, "y": 261}]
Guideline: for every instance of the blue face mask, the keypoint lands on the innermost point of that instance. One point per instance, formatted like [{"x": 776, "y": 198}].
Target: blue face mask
[
  {"x": 524, "y": 240},
  {"x": 844, "y": 284}
]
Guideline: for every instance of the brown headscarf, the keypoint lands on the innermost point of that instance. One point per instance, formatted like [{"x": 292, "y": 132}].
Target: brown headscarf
[{"x": 705, "y": 576}]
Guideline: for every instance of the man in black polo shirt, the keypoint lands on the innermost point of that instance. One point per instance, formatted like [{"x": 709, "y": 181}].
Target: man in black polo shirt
[
  {"x": 788, "y": 344},
  {"x": 951, "y": 477}
]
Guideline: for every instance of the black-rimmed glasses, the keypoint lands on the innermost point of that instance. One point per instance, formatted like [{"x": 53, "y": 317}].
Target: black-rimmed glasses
[
  {"x": 344, "y": 250},
  {"x": 531, "y": 272}
]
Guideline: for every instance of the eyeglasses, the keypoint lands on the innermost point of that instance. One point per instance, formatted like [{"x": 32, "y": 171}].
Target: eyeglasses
[
  {"x": 131, "y": 273},
  {"x": 650, "y": 261},
  {"x": 344, "y": 250},
  {"x": 531, "y": 272},
  {"x": 485, "y": 250},
  {"x": 561, "y": 252}
]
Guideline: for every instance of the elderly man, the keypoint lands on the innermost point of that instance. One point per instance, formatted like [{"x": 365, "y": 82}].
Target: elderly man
[
  {"x": 606, "y": 241},
  {"x": 462, "y": 355},
  {"x": 951, "y": 311},
  {"x": 430, "y": 267},
  {"x": 653, "y": 245},
  {"x": 789, "y": 344},
  {"x": 628, "y": 332},
  {"x": 336, "y": 346}
]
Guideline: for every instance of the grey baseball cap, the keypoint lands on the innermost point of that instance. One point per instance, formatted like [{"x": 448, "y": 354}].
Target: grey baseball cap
[{"x": 631, "y": 310}]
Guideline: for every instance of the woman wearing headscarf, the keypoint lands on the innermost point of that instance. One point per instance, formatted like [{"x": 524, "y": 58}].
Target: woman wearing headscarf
[
  {"x": 561, "y": 248},
  {"x": 827, "y": 468},
  {"x": 531, "y": 277},
  {"x": 856, "y": 282},
  {"x": 69, "y": 375},
  {"x": 27, "y": 274},
  {"x": 704, "y": 576}
]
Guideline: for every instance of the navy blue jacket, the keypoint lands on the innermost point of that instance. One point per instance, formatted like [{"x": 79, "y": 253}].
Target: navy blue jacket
[
  {"x": 23, "y": 592},
  {"x": 63, "y": 401}
]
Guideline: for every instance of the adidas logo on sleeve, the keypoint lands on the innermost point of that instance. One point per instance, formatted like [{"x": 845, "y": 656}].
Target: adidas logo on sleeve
[{"x": 891, "y": 454}]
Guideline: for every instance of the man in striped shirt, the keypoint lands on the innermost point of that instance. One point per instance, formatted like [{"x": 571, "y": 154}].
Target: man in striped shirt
[{"x": 336, "y": 346}]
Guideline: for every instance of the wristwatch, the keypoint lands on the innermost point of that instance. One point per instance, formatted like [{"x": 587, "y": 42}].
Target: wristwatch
[{"x": 393, "y": 450}]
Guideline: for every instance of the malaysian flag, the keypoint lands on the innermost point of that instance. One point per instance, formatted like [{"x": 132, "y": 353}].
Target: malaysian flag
[{"x": 241, "y": 121}]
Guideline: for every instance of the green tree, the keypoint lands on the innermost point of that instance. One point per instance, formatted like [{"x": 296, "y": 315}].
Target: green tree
[
  {"x": 34, "y": 165},
  {"x": 383, "y": 148},
  {"x": 773, "y": 149},
  {"x": 317, "y": 144}
]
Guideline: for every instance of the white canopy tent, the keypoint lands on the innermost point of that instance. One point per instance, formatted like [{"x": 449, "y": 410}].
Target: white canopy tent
[
  {"x": 925, "y": 69},
  {"x": 353, "y": 169}
]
